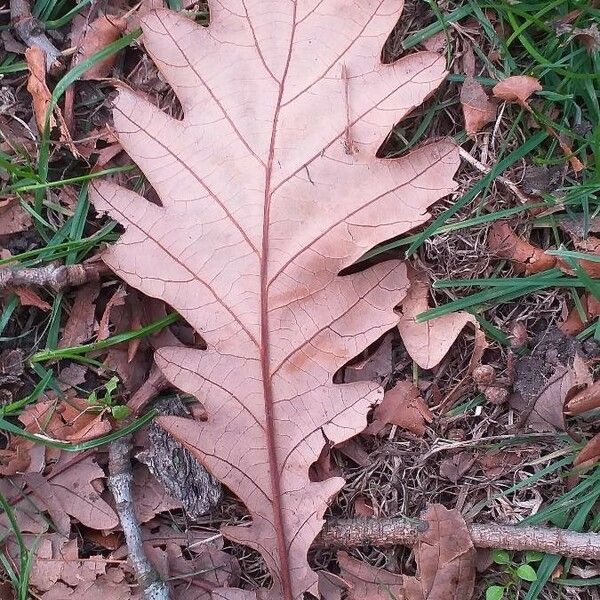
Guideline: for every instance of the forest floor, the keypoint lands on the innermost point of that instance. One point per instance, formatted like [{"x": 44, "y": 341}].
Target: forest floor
[{"x": 527, "y": 194}]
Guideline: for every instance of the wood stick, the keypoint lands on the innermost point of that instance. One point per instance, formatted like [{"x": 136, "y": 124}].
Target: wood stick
[
  {"x": 56, "y": 277},
  {"x": 389, "y": 532}
]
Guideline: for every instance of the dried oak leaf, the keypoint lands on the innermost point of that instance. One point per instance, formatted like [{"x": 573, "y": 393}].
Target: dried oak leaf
[
  {"x": 573, "y": 323},
  {"x": 266, "y": 197},
  {"x": 367, "y": 582},
  {"x": 589, "y": 455},
  {"x": 13, "y": 218},
  {"x": 517, "y": 89},
  {"x": 445, "y": 558},
  {"x": 526, "y": 257},
  {"x": 428, "y": 342},
  {"x": 478, "y": 108}
]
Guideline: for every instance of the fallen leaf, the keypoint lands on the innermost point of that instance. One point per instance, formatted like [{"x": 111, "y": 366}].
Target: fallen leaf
[
  {"x": 256, "y": 222},
  {"x": 591, "y": 245},
  {"x": 367, "y": 582},
  {"x": 401, "y": 406},
  {"x": 526, "y": 257},
  {"x": 427, "y": 343},
  {"x": 28, "y": 297},
  {"x": 573, "y": 323},
  {"x": 589, "y": 37},
  {"x": 116, "y": 300},
  {"x": 149, "y": 496},
  {"x": 445, "y": 558},
  {"x": 517, "y": 88},
  {"x": 457, "y": 465},
  {"x": 584, "y": 401},
  {"x": 101, "y": 32},
  {"x": 80, "y": 323},
  {"x": 547, "y": 412},
  {"x": 15, "y": 457},
  {"x": 499, "y": 462},
  {"x": 478, "y": 108},
  {"x": 13, "y": 218},
  {"x": 362, "y": 507},
  {"x": 376, "y": 367},
  {"x": 589, "y": 455}
]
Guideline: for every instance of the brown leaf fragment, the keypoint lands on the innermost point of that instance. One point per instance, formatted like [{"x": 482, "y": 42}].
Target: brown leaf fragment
[
  {"x": 589, "y": 37},
  {"x": 454, "y": 467},
  {"x": 368, "y": 582},
  {"x": 149, "y": 496},
  {"x": 28, "y": 297},
  {"x": 478, "y": 108},
  {"x": 100, "y": 33},
  {"x": 376, "y": 367},
  {"x": 526, "y": 257},
  {"x": 573, "y": 323},
  {"x": 427, "y": 343},
  {"x": 517, "y": 88},
  {"x": 13, "y": 218},
  {"x": 589, "y": 455},
  {"x": 445, "y": 558},
  {"x": 584, "y": 401},
  {"x": 80, "y": 324},
  {"x": 116, "y": 300},
  {"x": 591, "y": 245},
  {"x": 253, "y": 226},
  {"x": 547, "y": 412},
  {"x": 401, "y": 406}
]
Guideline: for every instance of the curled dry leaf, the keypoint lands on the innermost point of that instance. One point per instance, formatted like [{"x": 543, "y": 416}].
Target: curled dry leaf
[
  {"x": 100, "y": 33},
  {"x": 478, "y": 108},
  {"x": 13, "y": 218},
  {"x": 585, "y": 400},
  {"x": 526, "y": 257},
  {"x": 255, "y": 224},
  {"x": 80, "y": 324},
  {"x": 445, "y": 558},
  {"x": 28, "y": 297},
  {"x": 367, "y": 582},
  {"x": 573, "y": 323},
  {"x": 401, "y": 406},
  {"x": 517, "y": 89},
  {"x": 428, "y": 342},
  {"x": 591, "y": 245},
  {"x": 589, "y": 455}
]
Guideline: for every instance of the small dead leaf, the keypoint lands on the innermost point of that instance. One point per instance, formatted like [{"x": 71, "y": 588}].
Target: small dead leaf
[
  {"x": 517, "y": 89},
  {"x": 28, "y": 297},
  {"x": 367, "y": 582},
  {"x": 375, "y": 367},
  {"x": 427, "y": 343},
  {"x": 478, "y": 108},
  {"x": 547, "y": 412},
  {"x": 527, "y": 258},
  {"x": 496, "y": 463},
  {"x": 149, "y": 496},
  {"x": 445, "y": 558},
  {"x": 362, "y": 507},
  {"x": 80, "y": 324},
  {"x": 454, "y": 467},
  {"x": 584, "y": 401},
  {"x": 589, "y": 37},
  {"x": 13, "y": 219},
  {"x": 117, "y": 299},
  {"x": 401, "y": 406},
  {"x": 590, "y": 245},
  {"x": 589, "y": 455},
  {"x": 573, "y": 323},
  {"x": 100, "y": 33}
]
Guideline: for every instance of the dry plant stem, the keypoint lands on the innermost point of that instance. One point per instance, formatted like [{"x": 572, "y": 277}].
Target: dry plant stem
[
  {"x": 53, "y": 276},
  {"x": 388, "y": 532},
  {"x": 483, "y": 169},
  {"x": 30, "y": 30},
  {"x": 120, "y": 483}
]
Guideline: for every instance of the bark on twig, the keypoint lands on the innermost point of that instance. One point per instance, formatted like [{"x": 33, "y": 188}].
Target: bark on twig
[
  {"x": 389, "y": 532},
  {"x": 31, "y": 31},
  {"x": 120, "y": 483},
  {"x": 53, "y": 276}
]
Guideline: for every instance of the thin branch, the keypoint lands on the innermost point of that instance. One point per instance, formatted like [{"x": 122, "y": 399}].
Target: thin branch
[
  {"x": 389, "y": 532},
  {"x": 56, "y": 277},
  {"x": 503, "y": 180},
  {"x": 120, "y": 483},
  {"x": 31, "y": 31}
]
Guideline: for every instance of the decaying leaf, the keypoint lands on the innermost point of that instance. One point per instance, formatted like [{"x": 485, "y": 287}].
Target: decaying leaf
[
  {"x": 401, "y": 406},
  {"x": 367, "y": 582},
  {"x": 29, "y": 297},
  {"x": 589, "y": 455},
  {"x": 101, "y": 32},
  {"x": 526, "y": 257},
  {"x": 478, "y": 108},
  {"x": 13, "y": 218},
  {"x": 445, "y": 558},
  {"x": 428, "y": 342},
  {"x": 517, "y": 88},
  {"x": 573, "y": 323},
  {"x": 584, "y": 400},
  {"x": 80, "y": 324},
  {"x": 265, "y": 199},
  {"x": 377, "y": 366}
]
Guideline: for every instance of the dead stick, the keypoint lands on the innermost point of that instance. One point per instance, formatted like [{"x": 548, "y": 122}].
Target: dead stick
[
  {"x": 56, "y": 277},
  {"x": 120, "y": 483},
  {"x": 31, "y": 31},
  {"x": 390, "y": 532}
]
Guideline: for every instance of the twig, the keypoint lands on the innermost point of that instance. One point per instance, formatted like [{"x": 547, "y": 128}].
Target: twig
[
  {"x": 120, "y": 483},
  {"x": 56, "y": 277},
  {"x": 31, "y": 31},
  {"x": 389, "y": 532},
  {"x": 503, "y": 180}
]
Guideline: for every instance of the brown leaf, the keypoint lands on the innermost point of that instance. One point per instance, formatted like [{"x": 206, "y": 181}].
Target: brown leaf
[
  {"x": 517, "y": 89},
  {"x": 13, "y": 219},
  {"x": 584, "y": 401},
  {"x": 401, "y": 406},
  {"x": 591, "y": 245},
  {"x": 445, "y": 558},
  {"x": 28, "y": 297},
  {"x": 589, "y": 455},
  {"x": 101, "y": 32},
  {"x": 149, "y": 496},
  {"x": 527, "y": 258},
  {"x": 428, "y": 342},
  {"x": 80, "y": 324},
  {"x": 376, "y": 367},
  {"x": 478, "y": 108},
  {"x": 573, "y": 323},
  {"x": 116, "y": 300},
  {"x": 254, "y": 225},
  {"x": 454, "y": 467},
  {"x": 367, "y": 582},
  {"x": 547, "y": 412}
]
